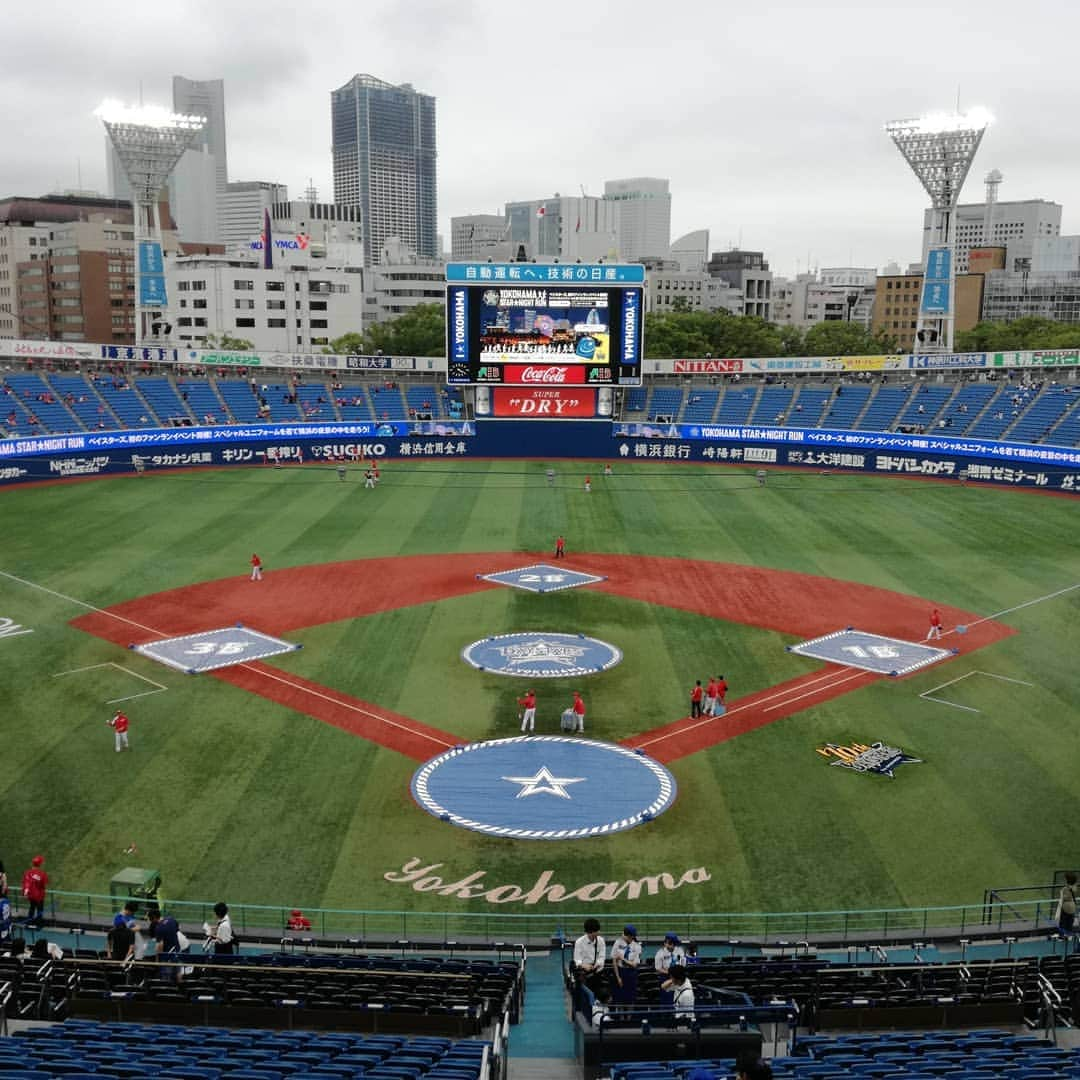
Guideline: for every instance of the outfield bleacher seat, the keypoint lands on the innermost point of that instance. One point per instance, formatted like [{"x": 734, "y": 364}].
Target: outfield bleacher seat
[
  {"x": 242, "y": 404},
  {"x": 161, "y": 396},
  {"x": 353, "y": 403},
  {"x": 930, "y": 399},
  {"x": 774, "y": 401},
  {"x": 388, "y": 402},
  {"x": 203, "y": 401},
  {"x": 636, "y": 398},
  {"x": 308, "y": 397},
  {"x": 1067, "y": 431},
  {"x": 846, "y": 406},
  {"x": 423, "y": 398},
  {"x": 665, "y": 401},
  {"x": 965, "y": 407},
  {"x": 91, "y": 410},
  {"x": 809, "y": 406},
  {"x": 29, "y": 387},
  {"x": 125, "y": 401},
  {"x": 736, "y": 404},
  {"x": 884, "y": 408},
  {"x": 700, "y": 405},
  {"x": 1041, "y": 415}
]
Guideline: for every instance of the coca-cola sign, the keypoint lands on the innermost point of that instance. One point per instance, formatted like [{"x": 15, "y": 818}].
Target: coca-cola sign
[
  {"x": 545, "y": 374},
  {"x": 542, "y": 402}
]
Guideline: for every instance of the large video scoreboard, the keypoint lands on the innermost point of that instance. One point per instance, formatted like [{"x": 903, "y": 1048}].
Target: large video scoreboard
[{"x": 523, "y": 324}]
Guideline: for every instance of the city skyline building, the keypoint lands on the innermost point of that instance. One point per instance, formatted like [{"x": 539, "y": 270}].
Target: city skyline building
[
  {"x": 243, "y": 209},
  {"x": 644, "y": 217},
  {"x": 384, "y": 162},
  {"x": 1023, "y": 219},
  {"x": 565, "y": 227}
]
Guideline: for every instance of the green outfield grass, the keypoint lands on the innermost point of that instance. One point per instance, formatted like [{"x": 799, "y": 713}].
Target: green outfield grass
[{"x": 230, "y": 795}]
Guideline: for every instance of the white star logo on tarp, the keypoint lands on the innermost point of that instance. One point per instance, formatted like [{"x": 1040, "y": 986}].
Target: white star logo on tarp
[{"x": 543, "y": 783}]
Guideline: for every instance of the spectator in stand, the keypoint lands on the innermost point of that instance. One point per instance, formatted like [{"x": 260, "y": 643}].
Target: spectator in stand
[
  {"x": 589, "y": 955},
  {"x": 120, "y": 943},
  {"x": 298, "y": 920},
  {"x": 753, "y": 1068},
  {"x": 5, "y": 918},
  {"x": 35, "y": 883},
  {"x": 682, "y": 993},
  {"x": 1067, "y": 906},
  {"x": 220, "y": 935},
  {"x": 625, "y": 961},
  {"x": 3, "y": 880}
]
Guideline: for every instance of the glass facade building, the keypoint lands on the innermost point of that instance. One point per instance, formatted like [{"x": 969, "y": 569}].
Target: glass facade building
[{"x": 384, "y": 156}]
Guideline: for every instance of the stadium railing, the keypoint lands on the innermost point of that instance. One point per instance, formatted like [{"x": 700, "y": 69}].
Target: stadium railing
[{"x": 446, "y": 929}]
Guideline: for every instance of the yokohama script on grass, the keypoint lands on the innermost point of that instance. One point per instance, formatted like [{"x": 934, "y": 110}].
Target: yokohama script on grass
[{"x": 423, "y": 878}]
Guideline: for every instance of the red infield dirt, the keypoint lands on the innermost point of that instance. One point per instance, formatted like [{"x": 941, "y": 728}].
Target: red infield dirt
[{"x": 291, "y": 599}]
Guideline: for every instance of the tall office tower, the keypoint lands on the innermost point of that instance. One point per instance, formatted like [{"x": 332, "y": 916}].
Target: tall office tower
[
  {"x": 205, "y": 97},
  {"x": 644, "y": 216},
  {"x": 384, "y": 162}
]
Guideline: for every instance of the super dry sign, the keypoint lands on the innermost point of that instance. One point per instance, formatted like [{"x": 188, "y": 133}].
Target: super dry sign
[{"x": 550, "y": 402}]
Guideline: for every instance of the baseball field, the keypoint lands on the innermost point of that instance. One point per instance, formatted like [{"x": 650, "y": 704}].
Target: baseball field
[{"x": 287, "y": 780}]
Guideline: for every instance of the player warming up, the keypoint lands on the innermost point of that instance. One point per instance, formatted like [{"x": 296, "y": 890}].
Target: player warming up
[
  {"x": 119, "y": 724},
  {"x": 935, "y": 625},
  {"x": 256, "y": 568},
  {"x": 560, "y": 548},
  {"x": 528, "y": 716}
]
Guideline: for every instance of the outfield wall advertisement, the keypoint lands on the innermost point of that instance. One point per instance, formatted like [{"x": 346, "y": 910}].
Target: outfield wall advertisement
[
  {"x": 1017, "y": 464},
  {"x": 593, "y": 372}
]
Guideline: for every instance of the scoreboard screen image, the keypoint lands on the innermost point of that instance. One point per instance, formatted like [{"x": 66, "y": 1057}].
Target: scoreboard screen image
[{"x": 525, "y": 332}]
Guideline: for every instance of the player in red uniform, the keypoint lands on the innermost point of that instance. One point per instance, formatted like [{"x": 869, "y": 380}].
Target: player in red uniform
[
  {"x": 119, "y": 724},
  {"x": 256, "y": 568},
  {"x": 560, "y": 548},
  {"x": 935, "y": 625},
  {"x": 696, "y": 694},
  {"x": 528, "y": 704},
  {"x": 721, "y": 690},
  {"x": 579, "y": 711}
]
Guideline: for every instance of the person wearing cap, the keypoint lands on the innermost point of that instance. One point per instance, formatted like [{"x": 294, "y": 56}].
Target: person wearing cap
[
  {"x": 671, "y": 952},
  {"x": 35, "y": 882},
  {"x": 528, "y": 717},
  {"x": 578, "y": 709},
  {"x": 625, "y": 961},
  {"x": 120, "y": 723},
  {"x": 669, "y": 955}
]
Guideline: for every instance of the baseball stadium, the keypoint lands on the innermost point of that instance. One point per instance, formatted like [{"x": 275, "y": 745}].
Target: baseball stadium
[{"x": 417, "y": 674}]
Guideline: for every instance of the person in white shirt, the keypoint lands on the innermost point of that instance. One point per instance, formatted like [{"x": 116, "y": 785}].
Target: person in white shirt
[
  {"x": 220, "y": 936},
  {"x": 682, "y": 993},
  {"x": 625, "y": 961},
  {"x": 590, "y": 952},
  {"x": 671, "y": 952},
  {"x": 669, "y": 955}
]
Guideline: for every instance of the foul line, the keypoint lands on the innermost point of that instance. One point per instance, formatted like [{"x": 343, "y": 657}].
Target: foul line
[
  {"x": 750, "y": 704},
  {"x": 1018, "y": 607},
  {"x": 346, "y": 705},
  {"x": 80, "y": 603},
  {"x": 928, "y": 694},
  {"x": 246, "y": 667},
  {"x": 126, "y": 671}
]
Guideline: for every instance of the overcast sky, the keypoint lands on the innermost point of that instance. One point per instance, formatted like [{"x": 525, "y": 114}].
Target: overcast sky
[{"x": 766, "y": 117}]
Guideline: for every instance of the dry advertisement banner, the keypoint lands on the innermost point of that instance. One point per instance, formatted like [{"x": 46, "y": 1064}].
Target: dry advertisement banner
[
  {"x": 706, "y": 367},
  {"x": 543, "y": 401}
]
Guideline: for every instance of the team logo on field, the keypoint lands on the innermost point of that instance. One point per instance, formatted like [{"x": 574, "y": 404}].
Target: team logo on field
[
  {"x": 541, "y": 656},
  {"x": 544, "y": 787},
  {"x": 867, "y": 757}
]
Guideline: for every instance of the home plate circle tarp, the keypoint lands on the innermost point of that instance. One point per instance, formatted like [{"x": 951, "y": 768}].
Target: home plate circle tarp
[
  {"x": 541, "y": 655},
  {"x": 544, "y": 787}
]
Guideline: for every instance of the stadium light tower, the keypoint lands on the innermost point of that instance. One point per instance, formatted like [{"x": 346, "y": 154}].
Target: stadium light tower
[
  {"x": 940, "y": 149},
  {"x": 149, "y": 141}
]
